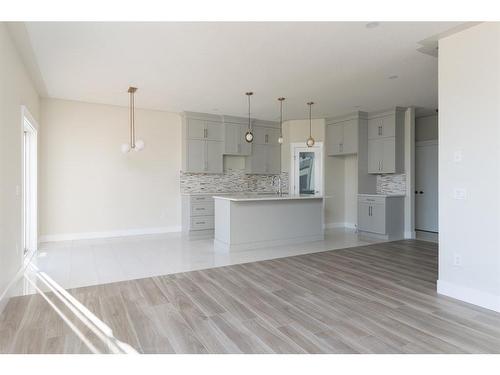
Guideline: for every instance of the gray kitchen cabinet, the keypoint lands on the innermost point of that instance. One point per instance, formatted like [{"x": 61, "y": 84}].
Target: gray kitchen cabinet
[
  {"x": 380, "y": 127},
  {"x": 382, "y": 155},
  {"x": 266, "y": 135},
  {"x": 265, "y": 159},
  {"x": 234, "y": 139},
  {"x": 386, "y": 142},
  {"x": 202, "y": 143},
  {"x": 342, "y": 138},
  {"x": 204, "y": 156},
  {"x": 381, "y": 215},
  {"x": 197, "y": 215}
]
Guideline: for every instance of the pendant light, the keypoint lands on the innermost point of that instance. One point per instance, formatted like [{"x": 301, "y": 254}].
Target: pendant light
[
  {"x": 249, "y": 134},
  {"x": 280, "y": 139},
  {"x": 310, "y": 140},
  {"x": 133, "y": 145}
]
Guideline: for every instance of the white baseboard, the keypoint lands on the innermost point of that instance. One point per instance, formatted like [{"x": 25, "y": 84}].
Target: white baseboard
[
  {"x": 474, "y": 296},
  {"x": 340, "y": 225},
  {"x": 108, "y": 234}
]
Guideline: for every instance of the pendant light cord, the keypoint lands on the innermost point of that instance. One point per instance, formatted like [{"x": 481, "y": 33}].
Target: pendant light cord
[
  {"x": 249, "y": 122},
  {"x": 132, "y": 121},
  {"x": 310, "y": 121}
]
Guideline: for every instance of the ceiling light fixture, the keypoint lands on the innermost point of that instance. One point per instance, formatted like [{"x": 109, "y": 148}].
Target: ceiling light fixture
[
  {"x": 310, "y": 140},
  {"x": 393, "y": 77},
  {"x": 249, "y": 134},
  {"x": 134, "y": 145},
  {"x": 280, "y": 139}
]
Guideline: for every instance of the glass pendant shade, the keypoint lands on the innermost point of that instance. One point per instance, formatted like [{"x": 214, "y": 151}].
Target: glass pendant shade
[
  {"x": 249, "y": 136},
  {"x": 310, "y": 142},
  {"x": 280, "y": 140}
]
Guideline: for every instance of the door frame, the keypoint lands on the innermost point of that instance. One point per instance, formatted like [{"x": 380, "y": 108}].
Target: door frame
[
  {"x": 29, "y": 240},
  {"x": 317, "y": 146}
]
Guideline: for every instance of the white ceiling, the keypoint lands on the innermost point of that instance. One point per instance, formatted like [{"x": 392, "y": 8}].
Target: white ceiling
[{"x": 207, "y": 67}]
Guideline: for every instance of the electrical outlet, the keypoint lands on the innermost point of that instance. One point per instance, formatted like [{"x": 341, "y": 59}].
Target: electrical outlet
[
  {"x": 460, "y": 193},
  {"x": 457, "y": 260},
  {"x": 457, "y": 156}
]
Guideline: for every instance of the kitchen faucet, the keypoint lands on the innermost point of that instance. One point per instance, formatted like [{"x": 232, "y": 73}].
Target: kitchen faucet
[{"x": 278, "y": 190}]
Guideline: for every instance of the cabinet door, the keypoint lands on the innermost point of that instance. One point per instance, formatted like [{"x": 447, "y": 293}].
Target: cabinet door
[
  {"x": 214, "y": 150},
  {"x": 214, "y": 130},
  {"x": 196, "y": 128},
  {"x": 389, "y": 126},
  {"x": 375, "y": 128},
  {"x": 259, "y": 135},
  {"x": 375, "y": 151},
  {"x": 388, "y": 155},
  {"x": 350, "y": 138},
  {"x": 257, "y": 162},
  {"x": 244, "y": 148},
  {"x": 272, "y": 136},
  {"x": 274, "y": 159},
  {"x": 231, "y": 139},
  {"x": 196, "y": 156},
  {"x": 334, "y": 137},
  {"x": 364, "y": 218},
  {"x": 377, "y": 218}
]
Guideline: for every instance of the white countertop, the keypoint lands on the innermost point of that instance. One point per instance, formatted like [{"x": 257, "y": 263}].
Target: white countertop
[
  {"x": 381, "y": 195},
  {"x": 265, "y": 197}
]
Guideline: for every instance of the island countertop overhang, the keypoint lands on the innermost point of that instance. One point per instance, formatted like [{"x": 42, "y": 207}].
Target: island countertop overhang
[{"x": 270, "y": 197}]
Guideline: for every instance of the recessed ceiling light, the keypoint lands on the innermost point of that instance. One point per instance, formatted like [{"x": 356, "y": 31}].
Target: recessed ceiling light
[
  {"x": 393, "y": 77},
  {"x": 372, "y": 25},
  {"x": 215, "y": 109},
  {"x": 357, "y": 106}
]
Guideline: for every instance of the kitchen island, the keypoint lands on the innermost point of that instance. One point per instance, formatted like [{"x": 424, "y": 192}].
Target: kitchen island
[{"x": 251, "y": 221}]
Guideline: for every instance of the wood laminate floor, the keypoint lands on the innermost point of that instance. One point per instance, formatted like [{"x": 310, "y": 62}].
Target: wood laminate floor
[{"x": 372, "y": 299}]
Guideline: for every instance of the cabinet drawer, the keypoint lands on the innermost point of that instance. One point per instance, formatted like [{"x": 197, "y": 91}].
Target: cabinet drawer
[
  {"x": 202, "y": 222},
  {"x": 202, "y": 209},
  {"x": 371, "y": 199},
  {"x": 201, "y": 198}
]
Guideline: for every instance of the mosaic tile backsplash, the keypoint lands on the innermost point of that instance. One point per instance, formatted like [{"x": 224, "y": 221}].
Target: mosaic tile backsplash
[
  {"x": 391, "y": 184},
  {"x": 233, "y": 180}
]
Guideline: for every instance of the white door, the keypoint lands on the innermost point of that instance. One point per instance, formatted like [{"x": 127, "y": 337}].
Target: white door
[
  {"x": 307, "y": 169},
  {"x": 426, "y": 186}
]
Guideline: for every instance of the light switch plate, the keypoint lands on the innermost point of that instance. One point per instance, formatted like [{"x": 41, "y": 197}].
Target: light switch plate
[
  {"x": 460, "y": 193},
  {"x": 457, "y": 156}
]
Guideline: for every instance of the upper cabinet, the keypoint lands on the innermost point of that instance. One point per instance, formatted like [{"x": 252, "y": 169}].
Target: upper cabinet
[
  {"x": 386, "y": 142},
  {"x": 266, "y": 150},
  {"x": 341, "y": 137},
  {"x": 202, "y": 143},
  {"x": 342, "y": 134},
  {"x": 234, "y": 136}
]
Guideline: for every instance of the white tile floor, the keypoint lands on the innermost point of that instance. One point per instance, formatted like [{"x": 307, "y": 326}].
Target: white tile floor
[{"x": 89, "y": 262}]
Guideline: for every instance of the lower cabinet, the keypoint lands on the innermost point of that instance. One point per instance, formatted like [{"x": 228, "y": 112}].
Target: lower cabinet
[
  {"x": 197, "y": 214},
  {"x": 381, "y": 215}
]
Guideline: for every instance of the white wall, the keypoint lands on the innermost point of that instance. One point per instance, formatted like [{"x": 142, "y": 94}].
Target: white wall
[
  {"x": 90, "y": 189},
  {"x": 469, "y": 122},
  {"x": 16, "y": 89}
]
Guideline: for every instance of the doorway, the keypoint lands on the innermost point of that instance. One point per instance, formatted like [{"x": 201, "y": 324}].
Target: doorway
[
  {"x": 426, "y": 187},
  {"x": 30, "y": 187},
  {"x": 306, "y": 175}
]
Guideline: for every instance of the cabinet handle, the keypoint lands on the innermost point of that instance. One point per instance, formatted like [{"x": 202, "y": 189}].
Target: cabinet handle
[
  {"x": 239, "y": 148},
  {"x": 267, "y": 138},
  {"x": 200, "y": 222},
  {"x": 369, "y": 210},
  {"x": 341, "y": 147}
]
